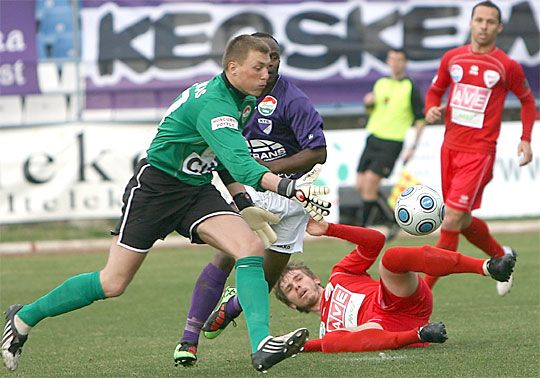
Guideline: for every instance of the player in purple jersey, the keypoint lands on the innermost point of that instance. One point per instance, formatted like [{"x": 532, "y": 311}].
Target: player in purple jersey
[{"x": 285, "y": 133}]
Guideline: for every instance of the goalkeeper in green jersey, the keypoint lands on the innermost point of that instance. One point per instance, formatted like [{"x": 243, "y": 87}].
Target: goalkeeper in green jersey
[{"x": 171, "y": 190}]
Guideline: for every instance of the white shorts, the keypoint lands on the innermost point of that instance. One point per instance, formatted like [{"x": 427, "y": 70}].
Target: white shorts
[{"x": 293, "y": 220}]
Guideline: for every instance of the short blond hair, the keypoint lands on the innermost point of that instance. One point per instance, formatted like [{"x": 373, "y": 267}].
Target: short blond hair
[{"x": 239, "y": 47}]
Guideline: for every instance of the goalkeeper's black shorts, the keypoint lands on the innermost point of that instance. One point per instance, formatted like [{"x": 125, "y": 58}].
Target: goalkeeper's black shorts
[{"x": 156, "y": 204}]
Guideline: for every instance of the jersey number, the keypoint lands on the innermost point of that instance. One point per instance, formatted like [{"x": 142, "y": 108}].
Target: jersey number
[{"x": 200, "y": 89}]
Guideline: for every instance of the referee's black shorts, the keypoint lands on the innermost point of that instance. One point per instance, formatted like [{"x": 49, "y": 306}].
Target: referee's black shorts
[
  {"x": 379, "y": 156},
  {"x": 156, "y": 204}
]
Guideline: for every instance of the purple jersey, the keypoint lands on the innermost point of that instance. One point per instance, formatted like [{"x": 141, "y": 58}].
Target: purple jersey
[{"x": 284, "y": 123}]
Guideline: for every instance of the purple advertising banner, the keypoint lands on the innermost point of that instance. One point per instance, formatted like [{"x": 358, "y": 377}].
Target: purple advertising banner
[
  {"x": 142, "y": 54},
  {"x": 18, "y": 54},
  {"x": 139, "y": 3}
]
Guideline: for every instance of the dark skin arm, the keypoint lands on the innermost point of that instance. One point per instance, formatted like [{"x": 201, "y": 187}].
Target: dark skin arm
[{"x": 299, "y": 162}]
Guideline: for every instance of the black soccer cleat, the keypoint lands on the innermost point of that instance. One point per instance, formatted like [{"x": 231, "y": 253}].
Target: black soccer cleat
[
  {"x": 276, "y": 349},
  {"x": 501, "y": 268},
  {"x": 433, "y": 333},
  {"x": 185, "y": 354},
  {"x": 504, "y": 288},
  {"x": 12, "y": 341}
]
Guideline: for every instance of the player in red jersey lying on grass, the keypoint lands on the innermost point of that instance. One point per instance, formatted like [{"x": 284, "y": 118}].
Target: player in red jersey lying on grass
[{"x": 359, "y": 313}]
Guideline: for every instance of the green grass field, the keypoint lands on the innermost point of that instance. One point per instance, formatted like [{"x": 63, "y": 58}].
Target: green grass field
[{"x": 134, "y": 335}]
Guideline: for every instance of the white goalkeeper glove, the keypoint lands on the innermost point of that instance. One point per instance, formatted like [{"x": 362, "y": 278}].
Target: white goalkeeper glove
[
  {"x": 307, "y": 194},
  {"x": 258, "y": 219}
]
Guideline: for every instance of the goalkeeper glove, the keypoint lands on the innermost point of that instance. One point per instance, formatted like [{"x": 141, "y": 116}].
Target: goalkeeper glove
[
  {"x": 258, "y": 219},
  {"x": 307, "y": 194}
]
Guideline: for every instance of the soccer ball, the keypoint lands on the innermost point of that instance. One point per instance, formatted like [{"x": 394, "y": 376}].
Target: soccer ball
[{"x": 419, "y": 210}]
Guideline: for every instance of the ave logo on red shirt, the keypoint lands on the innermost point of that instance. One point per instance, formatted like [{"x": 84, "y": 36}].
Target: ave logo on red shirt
[
  {"x": 343, "y": 309},
  {"x": 468, "y": 104},
  {"x": 470, "y": 97}
]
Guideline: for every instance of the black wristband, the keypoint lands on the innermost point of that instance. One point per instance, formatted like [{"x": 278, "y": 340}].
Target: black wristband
[
  {"x": 226, "y": 177},
  {"x": 242, "y": 200},
  {"x": 286, "y": 187}
]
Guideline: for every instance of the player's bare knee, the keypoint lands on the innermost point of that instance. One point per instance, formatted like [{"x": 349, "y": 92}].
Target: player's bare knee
[
  {"x": 253, "y": 246},
  {"x": 455, "y": 219},
  {"x": 112, "y": 287}
]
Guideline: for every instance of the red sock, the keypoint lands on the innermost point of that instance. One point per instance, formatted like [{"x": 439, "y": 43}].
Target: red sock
[
  {"x": 448, "y": 240},
  {"x": 478, "y": 234},
  {"x": 367, "y": 340},
  {"x": 430, "y": 260}
]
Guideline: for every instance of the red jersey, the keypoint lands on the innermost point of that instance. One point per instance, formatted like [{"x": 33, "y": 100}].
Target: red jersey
[
  {"x": 352, "y": 297},
  {"x": 478, "y": 87},
  {"x": 348, "y": 298}
]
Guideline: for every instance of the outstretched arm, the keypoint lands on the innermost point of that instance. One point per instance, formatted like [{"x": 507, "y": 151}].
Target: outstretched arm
[
  {"x": 364, "y": 237},
  {"x": 372, "y": 339}
]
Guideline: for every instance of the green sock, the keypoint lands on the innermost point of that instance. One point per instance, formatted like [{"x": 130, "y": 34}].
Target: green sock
[
  {"x": 253, "y": 296},
  {"x": 74, "y": 293}
]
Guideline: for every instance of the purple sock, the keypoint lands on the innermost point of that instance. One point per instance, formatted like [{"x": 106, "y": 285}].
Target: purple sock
[
  {"x": 205, "y": 297},
  {"x": 233, "y": 307}
]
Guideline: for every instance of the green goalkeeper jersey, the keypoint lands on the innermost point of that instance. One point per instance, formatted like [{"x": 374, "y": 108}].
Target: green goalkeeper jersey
[{"x": 202, "y": 132}]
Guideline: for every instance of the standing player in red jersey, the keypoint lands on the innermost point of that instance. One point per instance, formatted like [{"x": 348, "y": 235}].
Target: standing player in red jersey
[
  {"x": 479, "y": 76},
  {"x": 360, "y": 314}
]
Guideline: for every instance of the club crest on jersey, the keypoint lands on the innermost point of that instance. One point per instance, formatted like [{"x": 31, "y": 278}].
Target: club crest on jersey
[
  {"x": 267, "y": 106},
  {"x": 265, "y": 125},
  {"x": 456, "y": 73},
  {"x": 491, "y": 78},
  {"x": 246, "y": 112}
]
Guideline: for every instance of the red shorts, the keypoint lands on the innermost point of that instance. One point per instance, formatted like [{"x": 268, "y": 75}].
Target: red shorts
[
  {"x": 464, "y": 177},
  {"x": 397, "y": 314}
]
